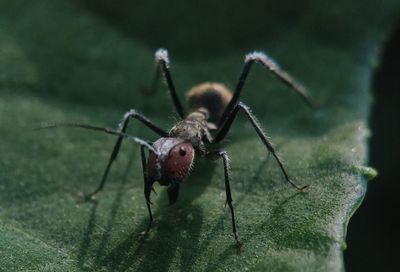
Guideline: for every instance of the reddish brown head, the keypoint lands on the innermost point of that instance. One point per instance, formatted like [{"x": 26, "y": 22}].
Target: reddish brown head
[{"x": 173, "y": 161}]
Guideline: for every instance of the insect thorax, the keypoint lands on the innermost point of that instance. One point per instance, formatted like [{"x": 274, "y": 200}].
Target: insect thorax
[{"x": 193, "y": 128}]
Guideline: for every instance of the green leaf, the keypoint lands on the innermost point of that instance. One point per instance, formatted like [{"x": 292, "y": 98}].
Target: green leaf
[{"x": 89, "y": 61}]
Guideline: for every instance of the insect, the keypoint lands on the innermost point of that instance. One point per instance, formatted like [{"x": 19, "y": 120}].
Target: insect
[{"x": 213, "y": 109}]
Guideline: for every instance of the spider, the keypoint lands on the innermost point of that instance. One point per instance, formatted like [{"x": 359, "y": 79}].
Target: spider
[{"x": 214, "y": 108}]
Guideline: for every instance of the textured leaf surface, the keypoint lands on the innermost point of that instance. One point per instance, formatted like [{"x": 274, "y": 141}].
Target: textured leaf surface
[{"x": 88, "y": 61}]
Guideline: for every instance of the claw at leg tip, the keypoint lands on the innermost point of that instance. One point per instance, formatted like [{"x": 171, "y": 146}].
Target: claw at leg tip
[{"x": 304, "y": 188}]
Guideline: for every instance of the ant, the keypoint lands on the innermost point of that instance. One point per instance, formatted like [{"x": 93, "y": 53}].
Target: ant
[{"x": 214, "y": 108}]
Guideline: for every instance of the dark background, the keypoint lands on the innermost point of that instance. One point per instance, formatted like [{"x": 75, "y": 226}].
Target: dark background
[{"x": 373, "y": 233}]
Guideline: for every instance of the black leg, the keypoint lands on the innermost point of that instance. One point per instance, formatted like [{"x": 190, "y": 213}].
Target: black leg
[
  {"x": 148, "y": 185},
  {"x": 163, "y": 61},
  {"x": 273, "y": 67},
  {"x": 173, "y": 192},
  {"x": 222, "y": 154},
  {"x": 223, "y": 130},
  {"x": 122, "y": 127}
]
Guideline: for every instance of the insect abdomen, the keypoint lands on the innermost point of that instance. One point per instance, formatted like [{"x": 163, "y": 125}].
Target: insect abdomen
[{"x": 212, "y": 96}]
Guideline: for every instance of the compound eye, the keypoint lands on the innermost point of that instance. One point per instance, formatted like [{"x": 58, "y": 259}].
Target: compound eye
[{"x": 182, "y": 151}]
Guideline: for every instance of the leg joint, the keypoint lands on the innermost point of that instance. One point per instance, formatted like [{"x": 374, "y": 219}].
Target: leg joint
[
  {"x": 131, "y": 113},
  {"x": 162, "y": 56},
  {"x": 222, "y": 153}
]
